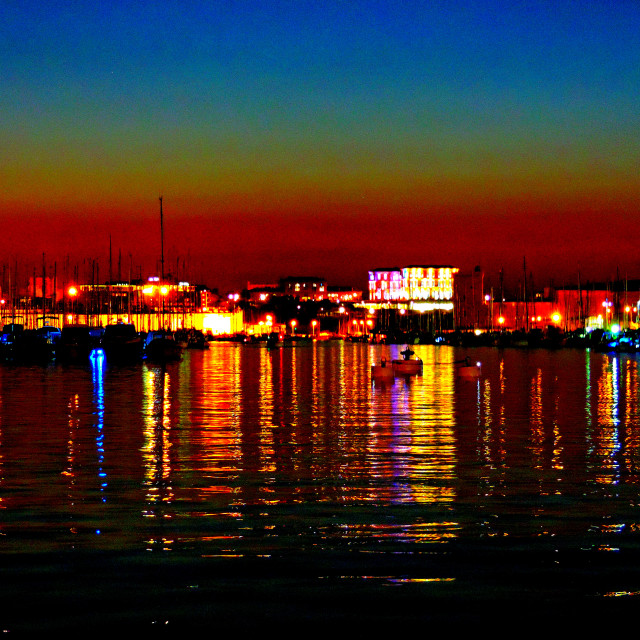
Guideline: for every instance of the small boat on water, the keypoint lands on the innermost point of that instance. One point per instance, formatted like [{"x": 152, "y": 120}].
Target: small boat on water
[
  {"x": 274, "y": 340},
  {"x": 197, "y": 340},
  {"x": 121, "y": 343},
  {"x": 161, "y": 346},
  {"x": 468, "y": 369},
  {"x": 75, "y": 344},
  {"x": 382, "y": 371},
  {"x": 18, "y": 344},
  {"x": 10, "y": 341},
  {"x": 408, "y": 366}
]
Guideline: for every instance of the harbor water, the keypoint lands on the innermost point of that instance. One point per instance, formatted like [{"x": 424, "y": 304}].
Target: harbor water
[{"x": 248, "y": 489}]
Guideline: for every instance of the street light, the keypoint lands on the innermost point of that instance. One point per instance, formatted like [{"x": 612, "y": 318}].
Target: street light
[{"x": 73, "y": 294}]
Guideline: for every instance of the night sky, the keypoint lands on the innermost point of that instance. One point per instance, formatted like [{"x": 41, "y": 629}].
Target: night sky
[{"x": 322, "y": 138}]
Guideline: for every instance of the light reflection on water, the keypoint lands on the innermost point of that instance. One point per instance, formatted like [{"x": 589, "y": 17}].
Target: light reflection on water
[{"x": 241, "y": 453}]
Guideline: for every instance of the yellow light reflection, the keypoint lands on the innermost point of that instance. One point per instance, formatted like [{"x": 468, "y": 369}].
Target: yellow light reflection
[
  {"x": 412, "y": 433},
  {"x": 157, "y": 445},
  {"x": 607, "y": 438}
]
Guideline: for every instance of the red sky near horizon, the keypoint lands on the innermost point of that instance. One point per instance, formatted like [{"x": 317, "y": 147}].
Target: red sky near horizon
[{"x": 322, "y": 138}]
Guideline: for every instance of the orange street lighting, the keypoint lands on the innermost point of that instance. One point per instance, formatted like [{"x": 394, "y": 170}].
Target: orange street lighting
[{"x": 72, "y": 291}]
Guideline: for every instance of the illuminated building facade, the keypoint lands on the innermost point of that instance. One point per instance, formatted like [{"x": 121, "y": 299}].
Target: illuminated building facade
[
  {"x": 421, "y": 287},
  {"x": 385, "y": 285}
]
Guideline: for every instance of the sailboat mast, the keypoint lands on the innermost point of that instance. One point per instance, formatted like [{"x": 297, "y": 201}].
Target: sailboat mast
[
  {"x": 161, "y": 243},
  {"x": 162, "y": 260}
]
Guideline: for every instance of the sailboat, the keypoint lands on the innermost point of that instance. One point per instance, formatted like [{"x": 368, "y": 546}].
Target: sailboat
[{"x": 160, "y": 344}]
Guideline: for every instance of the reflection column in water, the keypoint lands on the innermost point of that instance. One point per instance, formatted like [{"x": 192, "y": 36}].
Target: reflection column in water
[
  {"x": 157, "y": 429},
  {"x": 608, "y": 441},
  {"x": 97, "y": 372},
  {"x": 412, "y": 433}
]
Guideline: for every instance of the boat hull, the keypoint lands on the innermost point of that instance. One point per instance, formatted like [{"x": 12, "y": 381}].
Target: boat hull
[
  {"x": 407, "y": 367},
  {"x": 471, "y": 371},
  {"x": 163, "y": 350},
  {"x": 382, "y": 372}
]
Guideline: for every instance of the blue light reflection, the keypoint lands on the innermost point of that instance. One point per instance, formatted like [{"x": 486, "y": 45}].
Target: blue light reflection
[{"x": 98, "y": 363}]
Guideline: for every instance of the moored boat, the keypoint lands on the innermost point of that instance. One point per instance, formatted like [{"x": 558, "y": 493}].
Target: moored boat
[
  {"x": 409, "y": 365},
  {"x": 161, "y": 346},
  {"x": 468, "y": 369},
  {"x": 75, "y": 344},
  {"x": 382, "y": 371},
  {"x": 121, "y": 343},
  {"x": 10, "y": 341}
]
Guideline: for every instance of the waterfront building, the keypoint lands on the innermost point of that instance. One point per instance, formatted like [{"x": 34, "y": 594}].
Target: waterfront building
[
  {"x": 423, "y": 288},
  {"x": 596, "y": 306},
  {"x": 304, "y": 288},
  {"x": 339, "y": 295},
  {"x": 149, "y": 304},
  {"x": 415, "y": 298}
]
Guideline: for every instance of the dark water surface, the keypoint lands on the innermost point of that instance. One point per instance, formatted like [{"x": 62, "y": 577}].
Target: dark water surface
[{"x": 248, "y": 489}]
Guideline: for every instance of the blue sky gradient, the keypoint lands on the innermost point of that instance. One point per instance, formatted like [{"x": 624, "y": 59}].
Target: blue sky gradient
[{"x": 323, "y": 136}]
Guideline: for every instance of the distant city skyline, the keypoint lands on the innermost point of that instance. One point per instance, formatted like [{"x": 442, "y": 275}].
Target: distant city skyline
[{"x": 328, "y": 139}]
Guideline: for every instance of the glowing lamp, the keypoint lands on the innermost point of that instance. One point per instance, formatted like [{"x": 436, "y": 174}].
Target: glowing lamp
[
  {"x": 615, "y": 328},
  {"x": 164, "y": 290},
  {"x": 500, "y": 320},
  {"x": 556, "y": 317},
  {"x": 72, "y": 291},
  {"x": 148, "y": 290}
]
